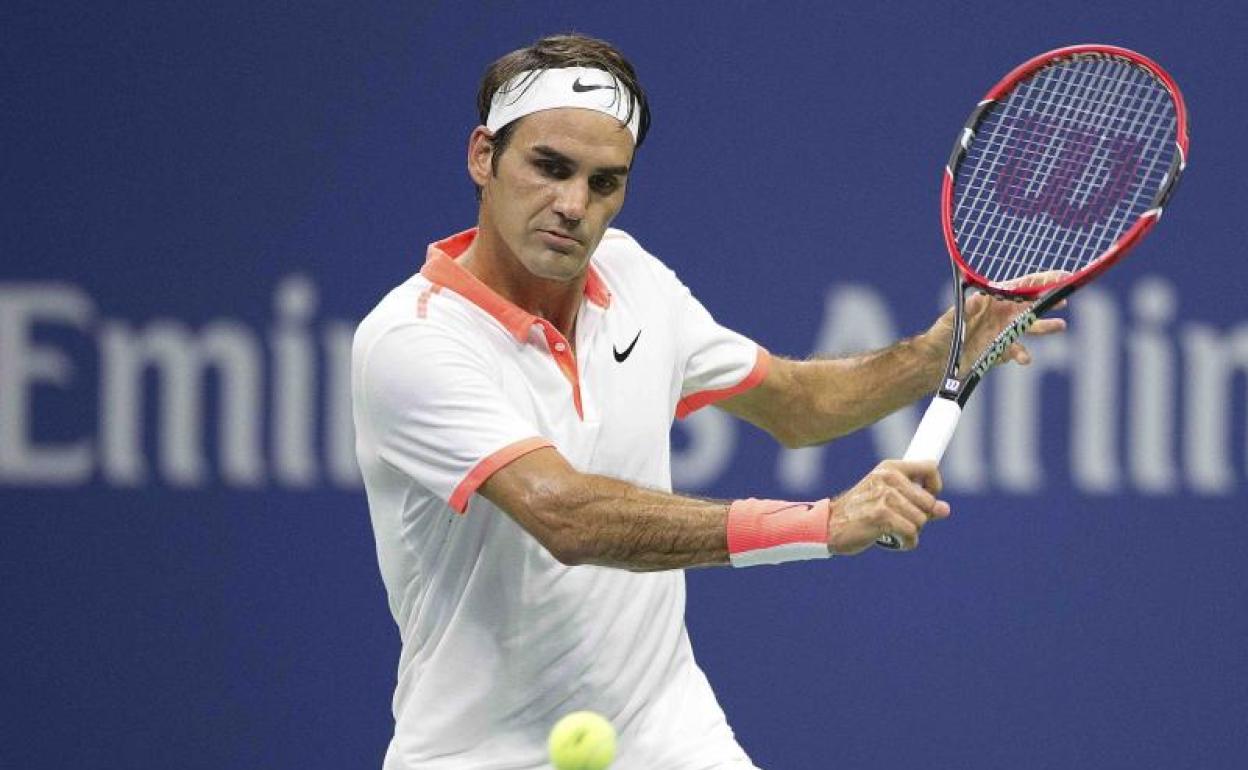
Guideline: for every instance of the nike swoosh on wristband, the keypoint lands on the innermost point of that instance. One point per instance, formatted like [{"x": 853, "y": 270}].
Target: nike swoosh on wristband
[
  {"x": 619, "y": 357},
  {"x": 580, "y": 89},
  {"x": 807, "y": 506}
]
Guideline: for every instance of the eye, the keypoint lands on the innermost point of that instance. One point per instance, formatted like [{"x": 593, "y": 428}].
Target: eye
[
  {"x": 604, "y": 185},
  {"x": 551, "y": 168}
]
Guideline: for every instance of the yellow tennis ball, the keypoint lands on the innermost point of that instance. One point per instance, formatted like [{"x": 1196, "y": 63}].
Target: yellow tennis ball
[{"x": 582, "y": 740}]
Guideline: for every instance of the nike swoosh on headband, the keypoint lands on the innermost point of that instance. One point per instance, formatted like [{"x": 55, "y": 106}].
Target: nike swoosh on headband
[
  {"x": 581, "y": 88},
  {"x": 536, "y": 90}
]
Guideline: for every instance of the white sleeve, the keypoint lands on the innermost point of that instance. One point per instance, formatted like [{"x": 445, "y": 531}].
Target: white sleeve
[
  {"x": 435, "y": 412},
  {"x": 719, "y": 363}
]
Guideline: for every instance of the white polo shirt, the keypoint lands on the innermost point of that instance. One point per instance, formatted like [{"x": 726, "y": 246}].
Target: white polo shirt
[{"x": 450, "y": 383}]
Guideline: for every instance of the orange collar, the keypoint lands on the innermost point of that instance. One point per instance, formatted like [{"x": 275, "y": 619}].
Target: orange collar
[{"x": 441, "y": 268}]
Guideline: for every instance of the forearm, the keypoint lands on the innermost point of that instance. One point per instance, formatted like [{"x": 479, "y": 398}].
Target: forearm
[
  {"x": 589, "y": 519},
  {"x": 841, "y": 395},
  {"x": 830, "y": 398},
  {"x": 622, "y": 525},
  {"x": 809, "y": 402}
]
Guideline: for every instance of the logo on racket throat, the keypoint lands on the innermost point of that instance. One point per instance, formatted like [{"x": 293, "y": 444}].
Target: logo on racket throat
[{"x": 1003, "y": 341}]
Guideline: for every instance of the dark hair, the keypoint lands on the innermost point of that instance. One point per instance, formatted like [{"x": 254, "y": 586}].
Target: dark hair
[{"x": 558, "y": 52}]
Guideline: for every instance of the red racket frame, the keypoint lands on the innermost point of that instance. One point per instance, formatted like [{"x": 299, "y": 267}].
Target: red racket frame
[{"x": 1128, "y": 239}]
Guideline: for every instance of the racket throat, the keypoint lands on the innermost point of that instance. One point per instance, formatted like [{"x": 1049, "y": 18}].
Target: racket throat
[
  {"x": 951, "y": 389},
  {"x": 1008, "y": 336}
]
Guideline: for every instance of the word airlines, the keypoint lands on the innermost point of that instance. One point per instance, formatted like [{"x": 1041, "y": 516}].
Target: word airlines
[{"x": 1131, "y": 399}]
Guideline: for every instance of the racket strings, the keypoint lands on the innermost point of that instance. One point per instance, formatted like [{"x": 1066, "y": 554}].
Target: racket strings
[
  {"x": 1062, "y": 166},
  {"x": 1031, "y": 235},
  {"x": 1024, "y": 233},
  {"x": 1037, "y": 240}
]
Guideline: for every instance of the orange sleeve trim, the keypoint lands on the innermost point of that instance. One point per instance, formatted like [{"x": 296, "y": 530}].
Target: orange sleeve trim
[
  {"x": 487, "y": 467},
  {"x": 695, "y": 401}
]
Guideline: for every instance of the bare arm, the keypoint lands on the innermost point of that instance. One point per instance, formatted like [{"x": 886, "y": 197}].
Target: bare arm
[
  {"x": 809, "y": 402},
  {"x": 587, "y": 519}
]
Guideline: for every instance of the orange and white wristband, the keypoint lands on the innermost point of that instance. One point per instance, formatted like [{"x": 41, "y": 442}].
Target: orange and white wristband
[{"x": 775, "y": 531}]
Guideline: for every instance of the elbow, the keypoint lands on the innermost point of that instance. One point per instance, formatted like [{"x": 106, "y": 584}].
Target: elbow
[
  {"x": 564, "y": 544},
  {"x": 791, "y": 437},
  {"x": 790, "y": 440},
  {"x": 567, "y": 554},
  {"x": 549, "y": 516}
]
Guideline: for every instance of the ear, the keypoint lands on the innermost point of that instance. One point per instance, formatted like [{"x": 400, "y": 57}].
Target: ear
[{"x": 480, "y": 154}]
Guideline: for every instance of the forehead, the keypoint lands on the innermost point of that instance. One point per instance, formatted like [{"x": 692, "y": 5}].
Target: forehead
[{"x": 585, "y": 135}]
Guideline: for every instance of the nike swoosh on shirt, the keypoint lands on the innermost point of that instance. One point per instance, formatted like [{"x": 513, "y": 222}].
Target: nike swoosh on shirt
[{"x": 619, "y": 357}]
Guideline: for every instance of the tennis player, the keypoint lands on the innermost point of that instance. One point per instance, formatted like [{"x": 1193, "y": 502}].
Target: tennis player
[{"x": 513, "y": 402}]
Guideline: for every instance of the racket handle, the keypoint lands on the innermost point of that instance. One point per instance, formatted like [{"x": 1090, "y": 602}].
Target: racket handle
[
  {"x": 935, "y": 430},
  {"x": 934, "y": 433}
]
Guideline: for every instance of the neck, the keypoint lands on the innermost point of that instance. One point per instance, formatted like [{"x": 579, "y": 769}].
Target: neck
[{"x": 492, "y": 263}]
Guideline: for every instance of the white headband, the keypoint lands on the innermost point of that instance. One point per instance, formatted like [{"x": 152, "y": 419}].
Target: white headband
[{"x": 584, "y": 87}]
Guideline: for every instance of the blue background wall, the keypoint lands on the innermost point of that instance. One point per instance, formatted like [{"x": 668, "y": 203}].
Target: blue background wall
[{"x": 244, "y": 180}]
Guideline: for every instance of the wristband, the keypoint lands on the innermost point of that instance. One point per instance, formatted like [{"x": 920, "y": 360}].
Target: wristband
[{"x": 775, "y": 531}]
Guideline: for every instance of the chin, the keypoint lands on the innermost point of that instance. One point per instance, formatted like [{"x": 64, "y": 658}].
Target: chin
[{"x": 556, "y": 266}]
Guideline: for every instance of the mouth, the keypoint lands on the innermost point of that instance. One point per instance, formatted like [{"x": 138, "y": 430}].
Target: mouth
[{"x": 559, "y": 240}]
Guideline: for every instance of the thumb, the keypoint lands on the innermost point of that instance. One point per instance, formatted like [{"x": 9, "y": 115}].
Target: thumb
[
  {"x": 976, "y": 303},
  {"x": 925, "y": 473}
]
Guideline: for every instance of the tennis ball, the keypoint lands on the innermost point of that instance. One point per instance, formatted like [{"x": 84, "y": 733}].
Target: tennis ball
[{"x": 582, "y": 740}]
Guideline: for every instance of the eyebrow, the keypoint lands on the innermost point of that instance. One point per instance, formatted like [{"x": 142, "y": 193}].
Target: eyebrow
[{"x": 553, "y": 154}]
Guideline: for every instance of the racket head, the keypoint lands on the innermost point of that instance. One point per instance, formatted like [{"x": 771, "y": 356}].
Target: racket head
[{"x": 1061, "y": 168}]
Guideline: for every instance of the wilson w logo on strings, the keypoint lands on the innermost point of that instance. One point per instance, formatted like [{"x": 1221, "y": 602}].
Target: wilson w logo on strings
[{"x": 1074, "y": 176}]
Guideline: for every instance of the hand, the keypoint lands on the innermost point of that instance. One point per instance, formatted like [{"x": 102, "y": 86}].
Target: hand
[
  {"x": 896, "y": 497},
  {"x": 985, "y": 317}
]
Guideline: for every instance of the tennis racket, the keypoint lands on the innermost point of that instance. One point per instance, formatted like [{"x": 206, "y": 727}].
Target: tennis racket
[{"x": 1063, "y": 166}]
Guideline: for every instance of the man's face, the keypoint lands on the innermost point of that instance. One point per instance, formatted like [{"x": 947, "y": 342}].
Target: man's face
[{"x": 559, "y": 183}]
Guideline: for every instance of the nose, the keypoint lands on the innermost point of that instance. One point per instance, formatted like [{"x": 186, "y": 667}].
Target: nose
[{"x": 571, "y": 199}]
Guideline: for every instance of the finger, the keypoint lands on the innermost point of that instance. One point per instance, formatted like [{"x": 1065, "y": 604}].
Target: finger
[
  {"x": 939, "y": 509},
  {"x": 898, "y": 506},
  {"x": 931, "y": 508},
  {"x": 1047, "y": 326},
  {"x": 977, "y": 304},
  {"x": 1036, "y": 279},
  {"x": 917, "y": 496},
  {"x": 922, "y": 472},
  {"x": 905, "y": 522},
  {"x": 904, "y": 531},
  {"x": 1018, "y": 354}
]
